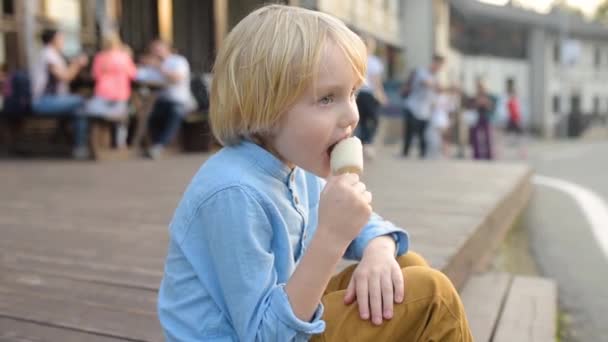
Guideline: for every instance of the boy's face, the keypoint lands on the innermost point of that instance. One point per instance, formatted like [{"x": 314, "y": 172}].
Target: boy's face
[{"x": 325, "y": 114}]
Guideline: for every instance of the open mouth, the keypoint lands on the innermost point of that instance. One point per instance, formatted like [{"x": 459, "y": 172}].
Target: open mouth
[{"x": 331, "y": 148}]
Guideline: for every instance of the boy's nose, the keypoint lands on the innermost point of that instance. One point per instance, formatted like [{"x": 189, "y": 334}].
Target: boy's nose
[{"x": 350, "y": 117}]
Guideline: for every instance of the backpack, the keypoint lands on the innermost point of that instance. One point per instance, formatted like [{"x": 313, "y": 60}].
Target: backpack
[
  {"x": 18, "y": 97},
  {"x": 200, "y": 93},
  {"x": 408, "y": 86}
]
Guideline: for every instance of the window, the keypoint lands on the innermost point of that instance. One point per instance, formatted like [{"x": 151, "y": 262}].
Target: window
[
  {"x": 596, "y": 105},
  {"x": 510, "y": 84},
  {"x": 67, "y": 16},
  {"x": 556, "y": 104},
  {"x": 8, "y": 7},
  {"x": 557, "y": 53},
  {"x": 575, "y": 103},
  {"x": 483, "y": 36}
]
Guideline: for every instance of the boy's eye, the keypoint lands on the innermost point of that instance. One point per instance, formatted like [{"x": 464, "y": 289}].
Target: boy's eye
[{"x": 327, "y": 99}]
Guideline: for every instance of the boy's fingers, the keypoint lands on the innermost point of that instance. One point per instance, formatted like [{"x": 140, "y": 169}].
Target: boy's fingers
[
  {"x": 349, "y": 296},
  {"x": 375, "y": 300},
  {"x": 359, "y": 188},
  {"x": 398, "y": 284},
  {"x": 363, "y": 298},
  {"x": 387, "y": 296}
]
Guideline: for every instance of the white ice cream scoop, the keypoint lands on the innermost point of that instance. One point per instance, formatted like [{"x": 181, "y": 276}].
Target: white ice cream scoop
[{"x": 347, "y": 157}]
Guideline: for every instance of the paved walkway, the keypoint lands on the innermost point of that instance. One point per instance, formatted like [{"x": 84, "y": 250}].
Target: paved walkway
[{"x": 82, "y": 244}]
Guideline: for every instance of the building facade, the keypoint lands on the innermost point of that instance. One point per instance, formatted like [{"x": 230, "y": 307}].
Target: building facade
[
  {"x": 379, "y": 19},
  {"x": 195, "y": 27},
  {"x": 557, "y": 61}
]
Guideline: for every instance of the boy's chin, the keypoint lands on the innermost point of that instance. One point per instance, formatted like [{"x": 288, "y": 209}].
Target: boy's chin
[
  {"x": 325, "y": 172},
  {"x": 321, "y": 171}
]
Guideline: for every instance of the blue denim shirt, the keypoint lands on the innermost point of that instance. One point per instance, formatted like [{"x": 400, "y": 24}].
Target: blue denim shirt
[{"x": 237, "y": 235}]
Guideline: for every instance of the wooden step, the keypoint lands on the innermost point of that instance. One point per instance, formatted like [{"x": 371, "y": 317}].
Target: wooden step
[
  {"x": 483, "y": 297},
  {"x": 502, "y": 307},
  {"x": 530, "y": 311},
  {"x": 15, "y": 330}
]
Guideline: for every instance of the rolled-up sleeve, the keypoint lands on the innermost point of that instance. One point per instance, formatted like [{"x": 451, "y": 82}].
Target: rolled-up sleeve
[
  {"x": 229, "y": 242},
  {"x": 377, "y": 226}
]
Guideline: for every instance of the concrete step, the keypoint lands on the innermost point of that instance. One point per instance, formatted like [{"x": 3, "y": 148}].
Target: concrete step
[{"x": 503, "y": 308}]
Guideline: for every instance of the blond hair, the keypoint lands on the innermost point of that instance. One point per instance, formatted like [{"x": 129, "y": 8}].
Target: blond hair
[
  {"x": 111, "y": 41},
  {"x": 267, "y": 62}
]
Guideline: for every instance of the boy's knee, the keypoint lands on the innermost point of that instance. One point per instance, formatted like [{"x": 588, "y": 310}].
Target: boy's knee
[
  {"x": 427, "y": 283},
  {"x": 411, "y": 259}
]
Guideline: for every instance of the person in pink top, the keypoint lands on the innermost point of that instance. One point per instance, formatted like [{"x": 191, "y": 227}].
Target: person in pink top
[
  {"x": 113, "y": 70},
  {"x": 514, "y": 123},
  {"x": 514, "y": 126}
]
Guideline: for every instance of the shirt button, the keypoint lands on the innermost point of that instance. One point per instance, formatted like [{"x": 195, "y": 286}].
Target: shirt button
[{"x": 296, "y": 200}]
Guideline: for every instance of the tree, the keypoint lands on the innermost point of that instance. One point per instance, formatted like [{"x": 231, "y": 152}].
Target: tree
[
  {"x": 565, "y": 6},
  {"x": 601, "y": 13}
]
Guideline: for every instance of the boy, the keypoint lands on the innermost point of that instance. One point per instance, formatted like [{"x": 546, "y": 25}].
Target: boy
[{"x": 258, "y": 234}]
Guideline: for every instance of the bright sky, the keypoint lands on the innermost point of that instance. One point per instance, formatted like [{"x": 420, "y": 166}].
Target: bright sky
[{"x": 587, "y": 6}]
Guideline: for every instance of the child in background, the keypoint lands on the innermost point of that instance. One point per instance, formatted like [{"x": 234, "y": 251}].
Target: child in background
[
  {"x": 257, "y": 236},
  {"x": 439, "y": 124}
]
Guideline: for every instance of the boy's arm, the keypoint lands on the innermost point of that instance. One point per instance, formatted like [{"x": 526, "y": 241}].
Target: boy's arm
[
  {"x": 230, "y": 244},
  {"x": 308, "y": 282},
  {"x": 376, "y": 227}
]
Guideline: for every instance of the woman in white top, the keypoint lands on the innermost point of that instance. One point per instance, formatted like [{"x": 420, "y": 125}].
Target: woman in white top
[{"x": 50, "y": 87}]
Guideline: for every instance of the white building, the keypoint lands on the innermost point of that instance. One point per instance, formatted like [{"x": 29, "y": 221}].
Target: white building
[
  {"x": 379, "y": 19},
  {"x": 558, "y": 61}
]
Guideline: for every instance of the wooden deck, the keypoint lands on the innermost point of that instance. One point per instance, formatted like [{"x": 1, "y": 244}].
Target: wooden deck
[{"x": 82, "y": 244}]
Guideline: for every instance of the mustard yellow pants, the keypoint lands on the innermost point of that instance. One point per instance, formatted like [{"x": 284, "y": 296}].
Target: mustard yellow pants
[{"x": 431, "y": 309}]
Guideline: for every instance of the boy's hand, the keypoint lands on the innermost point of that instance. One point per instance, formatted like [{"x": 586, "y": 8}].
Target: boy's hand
[
  {"x": 377, "y": 282},
  {"x": 344, "y": 208}
]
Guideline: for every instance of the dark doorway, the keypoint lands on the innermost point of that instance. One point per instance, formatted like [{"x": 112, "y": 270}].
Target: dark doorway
[
  {"x": 138, "y": 23},
  {"x": 194, "y": 33}
]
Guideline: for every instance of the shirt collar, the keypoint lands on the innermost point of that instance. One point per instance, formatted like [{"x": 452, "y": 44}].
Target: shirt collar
[{"x": 266, "y": 160}]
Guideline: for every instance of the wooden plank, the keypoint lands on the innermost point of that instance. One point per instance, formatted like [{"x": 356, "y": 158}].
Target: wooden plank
[
  {"x": 92, "y": 272},
  {"x": 13, "y": 330},
  {"x": 483, "y": 297},
  {"x": 530, "y": 311},
  {"x": 97, "y": 245},
  {"x": 89, "y": 317},
  {"x": 122, "y": 298}
]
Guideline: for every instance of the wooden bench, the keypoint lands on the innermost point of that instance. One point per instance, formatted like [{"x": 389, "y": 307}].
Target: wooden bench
[
  {"x": 102, "y": 140},
  {"x": 502, "y": 307},
  {"x": 30, "y": 134},
  {"x": 195, "y": 133}
]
